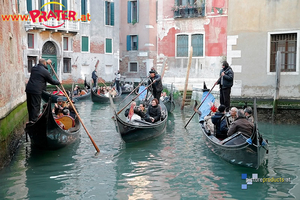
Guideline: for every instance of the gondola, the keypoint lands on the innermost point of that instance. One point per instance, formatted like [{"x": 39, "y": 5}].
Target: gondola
[
  {"x": 238, "y": 149},
  {"x": 140, "y": 130},
  {"x": 103, "y": 99},
  {"x": 46, "y": 95},
  {"x": 45, "y": 133}
]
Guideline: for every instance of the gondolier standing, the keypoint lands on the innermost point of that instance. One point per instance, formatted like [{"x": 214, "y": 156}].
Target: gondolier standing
[
  {"x": 37, "y": 83},
  {"x": 94, "y": 77},
  {"x": 117, "y": 80},
  {"x": 157, "y": 86},
  {"x": 226, "y": 82}
]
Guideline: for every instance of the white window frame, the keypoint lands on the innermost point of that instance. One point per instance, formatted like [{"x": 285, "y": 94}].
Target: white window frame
[
  {"x": 69, "y": 43},
  {"x": 137, "y": 66},
  {"x": 81, "y": 44},
  {"x": 269, "y": 52},
  {"x": 190, "y": 43},
  {"x": 34, "y": 41}
]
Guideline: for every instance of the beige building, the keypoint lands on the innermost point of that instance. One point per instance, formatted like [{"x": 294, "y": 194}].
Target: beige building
[{"x": 256, "y": 31}]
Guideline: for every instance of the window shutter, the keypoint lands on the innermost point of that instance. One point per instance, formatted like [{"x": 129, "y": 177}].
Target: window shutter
[
  {"x": 83, "y": 7},
  {"x": 29, "y": 5},
  {"x": 137, "y": 11},
  {"x": 197, "y": 44},
  {"x": 129, "y": 11},
  {"x": 85, "y": 44},
  {"x": 128, "y": 42},
  {"x": 182, "y": 45},
  {"x": 108, "y": 45},
  {"x": 137, "y": 42},
  {"x": 106, "y": 13},
  {"x": 65, "y": 3},
  {"x": 112, "y": 12}
]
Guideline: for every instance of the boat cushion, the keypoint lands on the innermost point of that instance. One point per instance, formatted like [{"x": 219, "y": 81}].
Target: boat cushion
[{"x": 67, "y": 121}]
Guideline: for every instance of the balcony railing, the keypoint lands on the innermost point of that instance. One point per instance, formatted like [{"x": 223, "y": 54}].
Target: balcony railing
[
  {"x": 189, "y": 12},
  {"x": 68, "y": 26}
]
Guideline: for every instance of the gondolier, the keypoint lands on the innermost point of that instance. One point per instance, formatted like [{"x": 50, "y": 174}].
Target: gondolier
[
  {"x": 226, "y": 82},
  {"x": 37, "y": 83},
  {"x": 157, "y": 86},
  {"x": 117, "y": 80},
  {"x": 94, "y": 77}
]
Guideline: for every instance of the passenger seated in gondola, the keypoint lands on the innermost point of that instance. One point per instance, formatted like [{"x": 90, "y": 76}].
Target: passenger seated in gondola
[
  {"x": 113, "y": 92},
  {"x": 58, "y": 106},
  {"x": 76, "y": 90},
  {"x": 207, "y": 119},
  {"x": 164, "y": 96},
  {"x": 153, "y": 112},
  {"x": 139, "y": 111},
  {"x": 232, "y": 117},
  {"x": 248, "y": 114},
  {"x": 219, "y": 120},
  {"x": 241, "y": 124}
]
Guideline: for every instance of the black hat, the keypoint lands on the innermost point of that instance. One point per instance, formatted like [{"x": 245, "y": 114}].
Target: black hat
[
  {"x": 152, "y": 71},
  {"x": 221, "y": 108}
]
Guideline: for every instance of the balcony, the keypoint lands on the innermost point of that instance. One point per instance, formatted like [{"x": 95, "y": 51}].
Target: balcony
[
  {"x": 68, "y": 26},
  {"x": 189, "y": 11}
]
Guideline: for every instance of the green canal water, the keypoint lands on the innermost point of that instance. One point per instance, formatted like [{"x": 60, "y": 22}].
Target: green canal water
[{"x": 175, "y": 165}]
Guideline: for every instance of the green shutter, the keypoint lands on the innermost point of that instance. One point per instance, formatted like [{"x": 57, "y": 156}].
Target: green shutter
[
  {"x": 128, "y": 42},
  {"x": 129, "y": 11},
  {"x": 137, "y": 42},
  {"x": 137, "y": 10},
  {"x": 106, "y": 13},
  {"x": 65, "y": 3},
  {"x": 83, "y": 7},
  {"x": 29, "y": 5},
  {"x": 182, "y": 45},
  {"x": 197, "y": 44},
  {"x": 112, "y": 12},
  {"x": 85, "y": 44},
  {"x": 108, "y": 45}
]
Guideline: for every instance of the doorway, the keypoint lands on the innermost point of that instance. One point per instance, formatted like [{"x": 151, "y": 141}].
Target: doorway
[{"x": 49, "y": 52}]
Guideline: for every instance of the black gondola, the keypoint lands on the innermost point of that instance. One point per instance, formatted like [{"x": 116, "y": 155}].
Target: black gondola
[
  {"x": 140, "y": 130},
  {"x": 238, "y": 149},
  {"x": 103, "y": 99},
  {"x": 169, "y": 101},
  {"x": 45, "y": 133},
  {"x": 47, "y": 95}
]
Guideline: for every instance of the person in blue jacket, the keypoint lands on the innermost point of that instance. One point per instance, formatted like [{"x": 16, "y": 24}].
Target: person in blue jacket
[{"x": 219, "y": 120}]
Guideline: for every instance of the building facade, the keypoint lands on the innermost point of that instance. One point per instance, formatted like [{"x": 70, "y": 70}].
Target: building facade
[
  {"x": 254, "y": 37},
  {"x": 138, "y": 42},
  {"x": 87, "y": 38},
  {"x": 201, "y": 24}
]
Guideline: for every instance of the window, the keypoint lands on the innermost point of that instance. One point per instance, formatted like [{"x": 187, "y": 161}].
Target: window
[
  {"x": 287, "y": 45},
  {"x": 65, "y": 41},
  {"x": 197, "y": 44},
  {"x": 29, "y": 5},
  {"x": 132, "y": 42},
  {"x": 31, "y": 61},
  {"x": 189, "y": 8},
  {"x": 30, "y": 40},
  {"x": 132, "y": 12},
  {"x": 40, "y": 4},
  {"x": 182, "y": 45},
  {"x": 184, "y": 41},
  {"x": 84, "y": 10},
  {"x": 55, "y": 6},
  {"x": 67, "y": 65},
  {"x": 133, "y": 67},
  {"x": 85, "y": 44},
  {"x": 108, "y": 45},
  {"x": 109, "y": 13}
]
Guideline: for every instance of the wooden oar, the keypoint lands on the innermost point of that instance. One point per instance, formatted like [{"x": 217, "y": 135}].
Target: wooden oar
[
  {"x": 65, "y": 93},
  {"x": 135, "y": 97},
  {"x": 132, "y": 91}
]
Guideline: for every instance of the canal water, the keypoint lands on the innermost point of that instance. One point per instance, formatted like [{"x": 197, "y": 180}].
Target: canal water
[{"x": 175, "y": 165}]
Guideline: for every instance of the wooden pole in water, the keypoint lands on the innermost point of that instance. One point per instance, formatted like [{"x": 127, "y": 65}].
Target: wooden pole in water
[
  {"x": 187, "y": 77},
  {"x": 164, "y": 69},
  {"x": 276, "y": 96}
]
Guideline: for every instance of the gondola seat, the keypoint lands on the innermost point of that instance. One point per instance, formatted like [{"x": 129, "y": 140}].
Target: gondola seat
[{"x": 67, "y": 121}]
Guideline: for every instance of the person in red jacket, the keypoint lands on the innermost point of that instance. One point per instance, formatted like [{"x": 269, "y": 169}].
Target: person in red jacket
[{"x": 37, "y": 83}]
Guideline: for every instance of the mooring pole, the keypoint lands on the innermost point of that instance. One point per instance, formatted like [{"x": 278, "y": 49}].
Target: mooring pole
[
  {"x": 277, "y": 77},
  {"x": 187, "y": 77}
]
